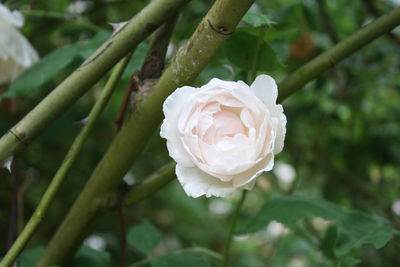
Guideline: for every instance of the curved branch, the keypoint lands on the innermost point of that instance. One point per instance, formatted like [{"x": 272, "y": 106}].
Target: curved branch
[
  {"x": 345, "y": 48},
  {"x": 81, "y": 80}
]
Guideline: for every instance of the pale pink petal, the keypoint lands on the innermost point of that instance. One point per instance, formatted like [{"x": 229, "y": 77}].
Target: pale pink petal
[
  {"x": 265, "y": 88},
  {"x": 246, "y": 177},
  {"x": 197, "y": 183},
  {"x": 172, "y": 108}
]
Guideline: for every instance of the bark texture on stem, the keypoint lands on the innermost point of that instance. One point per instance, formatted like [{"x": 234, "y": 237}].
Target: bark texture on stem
[
  {"x": 101, "y": 188},
  {"x": 81, "y": 80}
]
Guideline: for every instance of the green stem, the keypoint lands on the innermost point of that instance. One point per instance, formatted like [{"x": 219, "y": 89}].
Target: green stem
[
  {"x": 69, "y": 159},
  {"x": 92, "y": 70},
  {"x": 345, "y": 48},
  {"x": 256, "y": 58},
  {"x": 155, "y": 182},
  {"x": 103, "y": 184},
  {"x": 225, "y": 261}
]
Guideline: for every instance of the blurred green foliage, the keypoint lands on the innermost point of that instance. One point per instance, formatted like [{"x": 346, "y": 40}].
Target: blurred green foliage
[{"x": 343, "y": 140}]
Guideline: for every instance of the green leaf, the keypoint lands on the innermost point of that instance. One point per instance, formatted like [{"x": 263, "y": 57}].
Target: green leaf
[
  {"x": 144, "y": 237},
  {"x": 87, "y": 47},
  {"x": 86, "y": 256},
  {"x": 240, "y": 47},
  {"x": 179, "y": 260},
  {"x": 30, "y": 257},
  {"x": 289, "y": 210},
  {"x": 358, "y": 229},
  {"x": 353, "y": 230},
  {"x": 257, "y": 19},
  {"x": 43, "y": 71}
]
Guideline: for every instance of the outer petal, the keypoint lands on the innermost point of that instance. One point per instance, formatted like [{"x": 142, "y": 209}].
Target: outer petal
[
  {"x": 197, "y": 183},
  {"x": 14, "y": 18},
  {"x": 244, "y": 178},
  {"x": 172, "y": 109},
  {"x": 265, "y": 88}
]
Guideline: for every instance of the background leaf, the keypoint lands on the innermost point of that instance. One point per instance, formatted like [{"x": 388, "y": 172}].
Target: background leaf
[
  {"x": 354, "y": 228},
  {"x": 257, "y": 19},
  {"x": 43, "y": 71},
  {"x": 240, "y": 47},
  {"x": 29, "y": 257},
  {"x": 144, "y": 237},
  {"x": 87, "y": 256},
  {"x": 180, "y": 260}
]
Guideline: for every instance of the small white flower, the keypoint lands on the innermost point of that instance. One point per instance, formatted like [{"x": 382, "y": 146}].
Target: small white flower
[
  {"x": 224, "y": 134},
  {"x": 16, "y": 53}
]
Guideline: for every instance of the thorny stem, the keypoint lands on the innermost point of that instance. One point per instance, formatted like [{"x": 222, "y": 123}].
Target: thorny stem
[
  {"x": 225, "y": 260},
  {"x": 66, "y": 165},
  {"x": 152, "y": 66},
  {"x": 101, "y": 188},
  {"x": 81, "y": 80}
]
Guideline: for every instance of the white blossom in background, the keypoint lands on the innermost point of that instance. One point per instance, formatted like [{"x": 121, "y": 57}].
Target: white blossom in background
[
  {"x": 95, "y": 242},
  {"x": 396, "y": 207},
  {"x": 16, "y": 53},
  {"x": 285, "y": 173},
  {"x": 276, "y": 229},
  {"x": 219, "y": 207},
  {"x": 79, "y": 7},
  {"x": 224, "y": 134}
]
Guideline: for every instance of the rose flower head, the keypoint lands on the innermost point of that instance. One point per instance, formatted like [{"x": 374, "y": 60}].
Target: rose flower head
[
  {"x": 223, "y": 134},
  {"x": 16, "y": 53}
]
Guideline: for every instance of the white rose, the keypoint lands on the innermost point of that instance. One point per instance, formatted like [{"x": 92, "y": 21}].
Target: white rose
[
  {"x": 16, "y": 53},
  {"x": 224, "y": 134}
]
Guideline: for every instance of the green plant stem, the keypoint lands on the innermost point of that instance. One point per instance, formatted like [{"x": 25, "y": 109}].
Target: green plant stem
[
  {"x": 102, "y": 186},
  {"x": 256, "y": 58},
  {"x": 61, "y": 173},
  {"x": 345, "y": 48},
  {"x": 81, "y": 80},
  {"x": 155, "y": 182},
  {"x": 199, "y": 250},
  {"x": 225, "y": 260}
]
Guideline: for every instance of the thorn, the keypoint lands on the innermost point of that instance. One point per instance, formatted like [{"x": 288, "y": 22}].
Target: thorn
[
  {"x": 82, "y": 122},
  {"x": 7, "y": 163},
  {"x": 118, "y": 26}
]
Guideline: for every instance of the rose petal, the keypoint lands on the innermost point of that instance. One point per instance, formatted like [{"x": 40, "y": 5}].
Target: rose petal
[
  {"x": 172, "y": 109},
  {"x": 265, "y": 88},
  {"x": 197, "y": 183},
  {"x": 246, "y": 177}
]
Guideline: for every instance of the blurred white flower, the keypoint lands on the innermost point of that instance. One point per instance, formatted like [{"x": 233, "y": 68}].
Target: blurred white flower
[
  {"x": 16, "y": 53},
  {"x": 285, "y": 174},
  {"x": 79, "y": 7},
  {"x": 219, "y": 206},
  {"x": 276, "y": 229},
  {"x": 396, "y": 207},
  {"x": 95, "y": 242}
]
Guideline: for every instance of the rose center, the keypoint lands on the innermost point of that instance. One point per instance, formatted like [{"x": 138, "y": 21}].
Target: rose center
[{"x": 225, "y": 125}]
